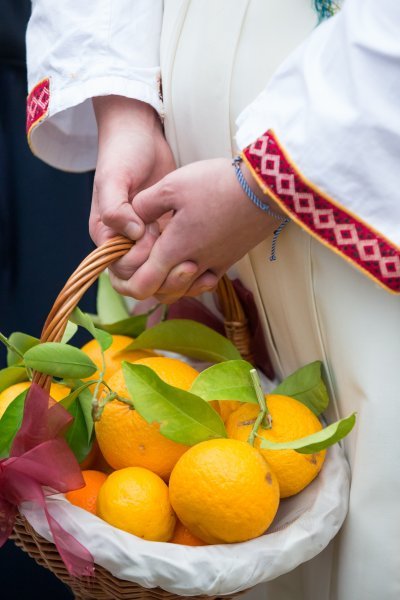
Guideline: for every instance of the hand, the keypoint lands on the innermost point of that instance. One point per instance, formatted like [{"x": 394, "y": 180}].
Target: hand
[
  {"x": 133, "y": 154},
  {"x": 213, "y": 225}
]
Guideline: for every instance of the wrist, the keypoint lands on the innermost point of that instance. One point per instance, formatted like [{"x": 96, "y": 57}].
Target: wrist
[
  {"x": 258, "y": 191},
  {"x": 249, "y": 187},
  {"x": 116, "y": 112}
]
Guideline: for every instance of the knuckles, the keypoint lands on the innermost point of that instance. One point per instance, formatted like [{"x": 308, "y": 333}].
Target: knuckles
[{"x": 111, "y": 216}]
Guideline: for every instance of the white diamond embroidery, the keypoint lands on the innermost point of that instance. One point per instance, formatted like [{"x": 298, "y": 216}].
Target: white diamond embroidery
[
  {"x": 304, "y": 202},
  {"x": 345, "y": 234},
  {"x": 324, "y": 219},
  {"x": 270, "y": 169},
  {"x": 40, "y": 101},
  {"x": 258, "y": 150},
  {"x": 390, "y": 261},
  {"x": 364, "y": 249},
  {"x": 285, "y": 185}
]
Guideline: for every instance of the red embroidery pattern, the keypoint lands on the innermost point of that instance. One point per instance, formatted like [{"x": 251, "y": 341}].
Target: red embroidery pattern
[
  {"x": 321, "y": 216},
  {"x": 37, "y": 104}
]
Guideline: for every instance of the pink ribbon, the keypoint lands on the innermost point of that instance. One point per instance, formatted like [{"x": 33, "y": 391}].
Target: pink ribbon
[{"x": 41, "y": 464}]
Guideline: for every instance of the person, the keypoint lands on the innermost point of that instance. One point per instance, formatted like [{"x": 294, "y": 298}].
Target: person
[{"x": 321, "y": 141}]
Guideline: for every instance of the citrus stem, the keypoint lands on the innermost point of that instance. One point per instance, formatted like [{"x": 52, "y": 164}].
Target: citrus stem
[
  {"x": 127, "y": 401},
  {"x": 101, "y": 378},
  {"x": 99, "y": 405},
  {"x": 10, "y": 346},
  {"x": 264, "y": 417}
]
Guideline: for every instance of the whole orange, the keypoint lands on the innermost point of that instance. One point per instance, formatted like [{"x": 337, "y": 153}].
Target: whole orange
[
  {"x": 137, "y": 501},
  {"x": 86, "y": 497},
  {"x": 290, "y": 420},
  {"x": 126, "y": 439},
  {"x": 113, "y": 356},
  {"x": 224, "y": 491}
]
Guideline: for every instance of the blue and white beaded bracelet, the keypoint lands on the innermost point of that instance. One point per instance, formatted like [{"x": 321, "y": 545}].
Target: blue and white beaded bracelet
[{"x": 264, "y": 206}]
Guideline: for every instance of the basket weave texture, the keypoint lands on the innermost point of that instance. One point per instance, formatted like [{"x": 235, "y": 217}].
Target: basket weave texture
[{"x": 103, "y": 585}]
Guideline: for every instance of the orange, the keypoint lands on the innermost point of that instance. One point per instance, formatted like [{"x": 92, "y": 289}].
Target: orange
[
  {"x": 113, "y": 356},
  {"x": 182, "y": 535},
  {"x": 224, "y": 491},
  {"x": 86, "y": 497},
  {"x": 126, "y": 439},
  {"x": 290, "y": 420},
  {"x": 227, "y": 407},
  {"x": 137, "y": 501},
  {"x": 171, "y": 370},
  {"x": 57, "y": 392}
]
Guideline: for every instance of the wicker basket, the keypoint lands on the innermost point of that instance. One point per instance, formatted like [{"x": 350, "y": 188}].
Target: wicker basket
[{"x": 104, "y": 586}]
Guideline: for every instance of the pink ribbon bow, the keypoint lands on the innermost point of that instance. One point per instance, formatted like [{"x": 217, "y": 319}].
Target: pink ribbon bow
[{"x": 41, "y": 464}]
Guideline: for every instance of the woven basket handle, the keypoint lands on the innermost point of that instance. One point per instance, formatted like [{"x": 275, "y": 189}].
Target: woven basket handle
[{"x": 88, "y": 272}]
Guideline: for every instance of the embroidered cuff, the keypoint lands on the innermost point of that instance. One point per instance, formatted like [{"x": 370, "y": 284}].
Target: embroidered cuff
[
  {"x": 61, "y": 126},
  {"x": 333, "y": 225}
]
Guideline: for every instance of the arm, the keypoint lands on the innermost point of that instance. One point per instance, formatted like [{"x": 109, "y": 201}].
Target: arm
[
  {"x": 98, "y": 103},
  {"x": 80, "y": 50},
  {"x": 214, "y": 223},
  {"x": 327, "y": 128},
  {"x": 322, "y": 140}
]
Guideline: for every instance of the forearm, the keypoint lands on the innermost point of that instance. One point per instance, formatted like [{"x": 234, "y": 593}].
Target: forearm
[
  {"x": 324, "y": 137},
  {"x": 81, "y": 51},
  {"x": 116, "y": 113}
]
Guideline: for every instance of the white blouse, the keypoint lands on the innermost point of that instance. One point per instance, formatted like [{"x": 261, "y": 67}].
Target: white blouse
[{"x": 331, "y": 113}]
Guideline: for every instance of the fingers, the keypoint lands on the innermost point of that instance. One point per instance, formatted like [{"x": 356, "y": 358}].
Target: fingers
[
  {"x": 126, "y": 266},
  {"x": 154, "y": 202},
  {"x": 179, "y": 279},
  {"x": 205, "y": 283},
  {"x": 114, "y": 209},
  {"x": 148, "y": 279}
]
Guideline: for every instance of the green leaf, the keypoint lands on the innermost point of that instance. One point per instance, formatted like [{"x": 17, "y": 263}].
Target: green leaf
[
  {"x": 60, "y": 360},
  {"x": 80, "y": 318},
  {"x": 182, "y": 416},
  {"x": 85, "y": 400},
  {"x": 307, "y": 386},
  {"x": 76, "y": 390},
  {"x": 69, "y": 332},
  {"x": 317, "y": 441},
  {"x": 77, "y": 435},
  {"x": 10, "y": 422},
  {"x": 81, "y": 392},
  {"x": 110, "y": 305},
  {"x": 11, "y": 375},
  {"x": 189, "y": 338},
  {"x": 229, "y": 380},
  {"x": 21, "y": 341},
  {"x": 132, "y": 327}
]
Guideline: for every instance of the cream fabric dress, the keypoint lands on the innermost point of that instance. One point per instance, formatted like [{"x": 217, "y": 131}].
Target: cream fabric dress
[{"x": 215, "y": 58}]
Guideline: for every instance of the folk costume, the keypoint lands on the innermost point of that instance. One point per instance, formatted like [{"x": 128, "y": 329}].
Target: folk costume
[{"x": 322, "y": 139}]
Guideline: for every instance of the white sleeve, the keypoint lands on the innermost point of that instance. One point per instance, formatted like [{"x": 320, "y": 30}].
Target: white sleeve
[
  {"x": 81, "y": 49},
  {"x": 323, "y": 138}
]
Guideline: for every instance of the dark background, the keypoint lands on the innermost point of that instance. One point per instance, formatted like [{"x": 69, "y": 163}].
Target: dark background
[{"x": 43, "y": 236}]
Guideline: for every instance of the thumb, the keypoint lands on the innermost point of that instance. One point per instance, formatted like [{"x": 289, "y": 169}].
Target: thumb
[
  {"x": 154, "y": 202},
  {"x": 116, "y": 211}
]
